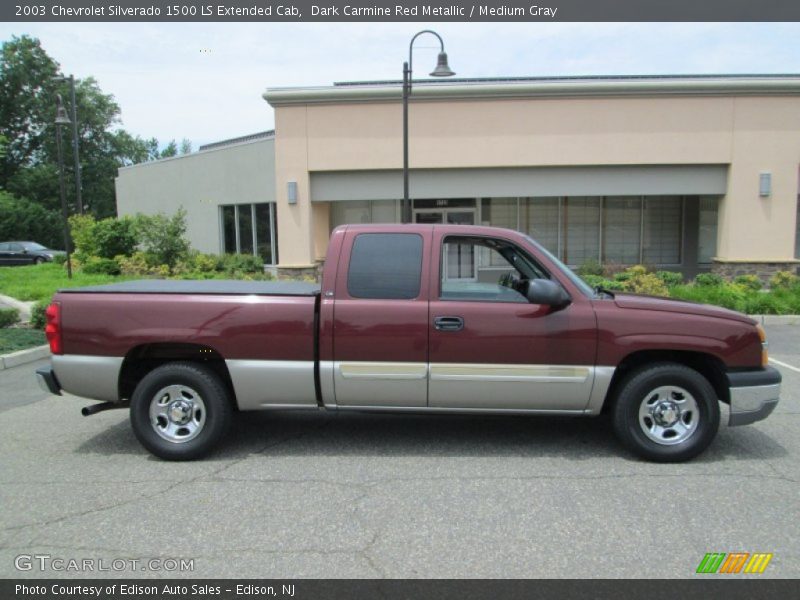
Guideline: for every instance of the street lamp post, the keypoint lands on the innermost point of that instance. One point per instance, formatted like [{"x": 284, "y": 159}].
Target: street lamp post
[
  {"x": 63, "y": 119},
  {"x": 74, "y": 111},
  {"x": 442, "y": 70}
]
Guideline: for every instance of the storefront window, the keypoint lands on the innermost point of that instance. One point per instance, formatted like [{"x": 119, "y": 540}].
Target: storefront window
[
  {"x": 581, "y": 226},
  {"x": 539, "y": 218},
  {"x": 707, "y": 232},
  {"x": 244, "y": 235},
  {"x": 622, "y": 229},
  {"x": 663, "y": 216}
]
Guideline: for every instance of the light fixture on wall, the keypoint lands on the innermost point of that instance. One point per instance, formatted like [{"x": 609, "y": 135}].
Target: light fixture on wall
[
  {"x": 765, "y": 185},
  {"x": 291, "y": 192}
]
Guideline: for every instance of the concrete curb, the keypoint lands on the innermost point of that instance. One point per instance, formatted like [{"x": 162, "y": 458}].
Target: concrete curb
[
  {"x": 777, "y": 319},
  {"x": 22, "y": 357},
  {"x": 24, "y": 308}
]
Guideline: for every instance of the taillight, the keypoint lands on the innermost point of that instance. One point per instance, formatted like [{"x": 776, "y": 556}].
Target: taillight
[{"x": 52, "y": 329}]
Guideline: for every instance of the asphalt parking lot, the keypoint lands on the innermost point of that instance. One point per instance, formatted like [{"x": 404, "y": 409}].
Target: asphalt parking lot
[{"x": 302, "y": 495}]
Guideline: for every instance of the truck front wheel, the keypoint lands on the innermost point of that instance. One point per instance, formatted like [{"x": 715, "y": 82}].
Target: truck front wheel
[
  {"x": 666, "y": 412},
  {"x": 180, "y": 411}
]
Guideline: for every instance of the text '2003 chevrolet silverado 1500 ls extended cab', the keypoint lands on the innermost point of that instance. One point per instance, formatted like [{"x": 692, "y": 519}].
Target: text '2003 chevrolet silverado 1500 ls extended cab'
[{"x": 404, "y": 321}]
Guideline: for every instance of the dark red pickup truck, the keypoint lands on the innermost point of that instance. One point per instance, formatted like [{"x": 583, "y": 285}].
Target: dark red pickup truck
[{"x": 423, "y": 318}]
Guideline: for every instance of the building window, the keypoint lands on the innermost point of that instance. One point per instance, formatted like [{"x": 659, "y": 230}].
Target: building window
[
  {"x": 707, "y": 229},
  {"x": 581, "y": 226},
  {"x": 353, "y": 212},
  {"x": 663, "y": 216},
  {"x": 622, "y": 230},
  {"x": 539, "y": 217},
  {"x": 250, "y": 229}
]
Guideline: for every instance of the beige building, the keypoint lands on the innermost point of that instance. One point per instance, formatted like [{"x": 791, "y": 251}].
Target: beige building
[{"x": 681, "y": 173}]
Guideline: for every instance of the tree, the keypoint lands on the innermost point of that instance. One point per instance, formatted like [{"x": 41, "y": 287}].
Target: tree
[
  {"x": 29, "y": 168},
  {"x": 22, "y": 219}
]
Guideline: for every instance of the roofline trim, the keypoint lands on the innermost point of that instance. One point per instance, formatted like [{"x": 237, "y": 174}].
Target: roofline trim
[{"x": 762, "y": 85}]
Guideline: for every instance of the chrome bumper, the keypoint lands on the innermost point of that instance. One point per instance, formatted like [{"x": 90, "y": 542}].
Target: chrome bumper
[{"x": 754, "y": 395}]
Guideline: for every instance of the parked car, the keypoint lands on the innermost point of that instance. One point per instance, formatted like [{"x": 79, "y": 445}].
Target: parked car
[
  {"x": 410, "y": 318},
  {"x": 26, "y": 253}
]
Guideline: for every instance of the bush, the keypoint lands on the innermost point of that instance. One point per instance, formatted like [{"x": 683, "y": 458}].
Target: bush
[
  {"x": 141, "y": 264},
  {"x": 106, "y": 238},
  {"x": 59, "y": 259},
  {"x": 646, "y": 283},
  {"x": 95, "y": 265},
  {"x": 38, "y": 318},
  {"x": 590, "y": 267},
  {"x": 8, "y": 316},
  {"x": 708, "y": 280},
  {"x": 749, "y": 282},
  {"x": 596, "y": 281},
  {"x": 163, "y": 238},
  {"x": 670, "y": 278},
  {"x": 783, "y": 280},
  {"x": 243, "y": 263}
]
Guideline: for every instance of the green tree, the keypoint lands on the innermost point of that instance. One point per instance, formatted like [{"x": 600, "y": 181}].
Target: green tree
[
  {"x": 21, "y": 219},
  {"x": 29, "y": 169}
]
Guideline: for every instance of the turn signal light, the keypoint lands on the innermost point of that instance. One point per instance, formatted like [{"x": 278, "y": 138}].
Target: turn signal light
[
  {"x": 762, "y": 335},
  {"x": 52, "y": 329}
]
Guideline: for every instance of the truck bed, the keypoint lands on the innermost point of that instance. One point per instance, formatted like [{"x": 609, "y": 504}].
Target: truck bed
[{"x": 201, "y": 287}]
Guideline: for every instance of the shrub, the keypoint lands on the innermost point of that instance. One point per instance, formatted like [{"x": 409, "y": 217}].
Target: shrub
[
  {"x": 670, "y": 278},
  {"x": 244, "y": 263},
  {"x": 708, "y": 280},
  {"x": 38, "y": 318},
  {"x": 59, "y": 259},
  {"x": 646, "y": 283},
  {"x": 596, "y": 281},
  {"x": 163, "y": 238},
  {"x": 141, "y": 264},
  {"x": 8, "y": 316},
  {"x": 590, "y": 267},
  {"x": 783, "y": 280},
  {"x": 95, "y": 265},
  {"x": 749, "y": 282},
  {"x": 106, "y": 238}
]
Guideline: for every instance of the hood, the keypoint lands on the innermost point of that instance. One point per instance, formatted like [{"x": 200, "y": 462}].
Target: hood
[{"x": 636, "y": 301}]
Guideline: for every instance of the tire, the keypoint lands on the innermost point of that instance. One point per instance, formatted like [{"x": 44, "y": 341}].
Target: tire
[
  {"x": 180, "y": 411},
  {"x": 665, "y": 412},
  {"x": 38, "y": 260}
]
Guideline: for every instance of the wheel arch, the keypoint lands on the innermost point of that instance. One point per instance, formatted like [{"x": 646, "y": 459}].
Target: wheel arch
[
  {"x": 141, "y": 360},
  {"x": 708, "y": 365}
]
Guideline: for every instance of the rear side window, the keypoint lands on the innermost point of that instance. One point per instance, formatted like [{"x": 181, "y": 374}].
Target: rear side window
[{"x": 385, "y": 266}]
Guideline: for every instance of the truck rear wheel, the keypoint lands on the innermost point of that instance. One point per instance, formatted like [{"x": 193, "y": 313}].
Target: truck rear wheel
[
  {"x": 666, "y": 412},
  {"x": 180, "y": 411}
]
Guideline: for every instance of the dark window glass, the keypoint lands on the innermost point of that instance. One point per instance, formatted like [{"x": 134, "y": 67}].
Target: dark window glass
[
  {"x": 263, "y": 237},
  {"x": 386, "y": 266},
  {"x": 229, "y": 229},
  {"x": 245, "y": 229}
]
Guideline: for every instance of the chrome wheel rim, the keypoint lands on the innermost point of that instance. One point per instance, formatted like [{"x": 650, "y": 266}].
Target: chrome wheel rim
[
  {"x": 668, "y": 415},
  {"x": 177, "y": 413}
]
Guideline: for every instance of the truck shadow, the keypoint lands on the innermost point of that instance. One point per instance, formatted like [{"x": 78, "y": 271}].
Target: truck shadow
[{"x": 360, "y": 434}]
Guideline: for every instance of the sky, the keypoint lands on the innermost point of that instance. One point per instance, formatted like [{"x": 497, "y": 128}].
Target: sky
[{"x": 204, "y": 82}]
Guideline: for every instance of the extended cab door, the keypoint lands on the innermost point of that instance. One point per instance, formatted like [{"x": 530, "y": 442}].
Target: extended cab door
[
  {"x": 380, "y": 318},
  {"x": 490, "y": 348}
]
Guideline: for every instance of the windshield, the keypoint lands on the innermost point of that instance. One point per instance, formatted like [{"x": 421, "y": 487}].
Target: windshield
[
  {"x": 579, "y": 283},
  {"x": 32, "y": 246}
]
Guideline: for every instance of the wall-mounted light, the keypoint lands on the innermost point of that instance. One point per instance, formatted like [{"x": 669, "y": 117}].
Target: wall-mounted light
[
  {"x": 291, "y": 192},
  {"x": 765, "y": 185}
]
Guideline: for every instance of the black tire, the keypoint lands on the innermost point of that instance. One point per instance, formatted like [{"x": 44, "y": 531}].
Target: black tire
[
  {"x": 38, "y": 260},
  {"x": 193, "y": 382},
  {"x": 643, "y": 415}
]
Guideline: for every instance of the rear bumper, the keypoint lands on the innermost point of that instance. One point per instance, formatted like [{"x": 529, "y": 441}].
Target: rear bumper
[
  {"x": 754, "y": 395},
  {"x": 47, "y": 380}
]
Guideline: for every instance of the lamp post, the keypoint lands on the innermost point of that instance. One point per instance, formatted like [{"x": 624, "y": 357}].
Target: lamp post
[
  {"x": 73, "y": 110},
  {"x": 442, "y": 70},
  {"x": 63, "y": 119}
]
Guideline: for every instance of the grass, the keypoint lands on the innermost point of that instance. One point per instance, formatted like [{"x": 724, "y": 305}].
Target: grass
[
  {"x": 12, "y": 339},
  {"x": 40, "y": 282}
]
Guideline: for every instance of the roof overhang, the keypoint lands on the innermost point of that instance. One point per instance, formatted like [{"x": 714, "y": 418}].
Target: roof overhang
[{"x": 545, "y": 88}]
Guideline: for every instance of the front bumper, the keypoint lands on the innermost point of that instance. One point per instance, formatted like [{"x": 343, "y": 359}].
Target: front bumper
[
  {"x": 47, "y": 380},
  {"x": 754, "y": 395}
]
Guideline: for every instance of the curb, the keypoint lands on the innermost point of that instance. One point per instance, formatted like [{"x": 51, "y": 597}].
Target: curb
[
  {"x": 22, "y": 357},
  {"x": 776, "y": 319}
]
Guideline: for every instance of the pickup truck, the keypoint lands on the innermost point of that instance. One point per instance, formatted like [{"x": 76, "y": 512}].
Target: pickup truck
[{"x": 410, "y": 318}]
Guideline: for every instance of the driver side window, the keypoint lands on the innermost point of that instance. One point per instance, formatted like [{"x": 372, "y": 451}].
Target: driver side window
[{"x": 481, "y": 270}]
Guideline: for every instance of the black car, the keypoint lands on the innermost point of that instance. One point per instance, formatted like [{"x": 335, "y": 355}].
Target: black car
[{"x": 25, "y": 253}]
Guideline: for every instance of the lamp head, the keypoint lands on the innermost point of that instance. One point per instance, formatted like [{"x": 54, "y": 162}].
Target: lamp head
[
  {"x": 61, "y": 112},
  {"x": 442, "y": 68}
]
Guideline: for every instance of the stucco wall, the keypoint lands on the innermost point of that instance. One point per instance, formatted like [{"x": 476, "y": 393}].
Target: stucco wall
[{"x": 200, "y": 183}]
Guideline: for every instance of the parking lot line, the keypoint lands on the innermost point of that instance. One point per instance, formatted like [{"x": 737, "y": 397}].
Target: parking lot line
[{"x": 785, "y": 365}]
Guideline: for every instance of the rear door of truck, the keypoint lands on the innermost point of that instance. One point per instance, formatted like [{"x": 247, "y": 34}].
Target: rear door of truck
[{"x": 380, "y": 318}]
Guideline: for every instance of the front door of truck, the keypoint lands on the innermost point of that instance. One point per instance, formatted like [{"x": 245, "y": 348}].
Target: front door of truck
[
  {"x": 491, "y": 349},
  {"x": 380, "y": 319}
]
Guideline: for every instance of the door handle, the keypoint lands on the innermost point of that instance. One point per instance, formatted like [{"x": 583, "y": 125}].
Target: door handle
[{"x": 448, "y": 323}]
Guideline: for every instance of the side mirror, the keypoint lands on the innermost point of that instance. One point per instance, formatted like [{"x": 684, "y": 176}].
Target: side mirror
[{"x": 547, "y": 292}]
